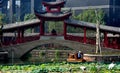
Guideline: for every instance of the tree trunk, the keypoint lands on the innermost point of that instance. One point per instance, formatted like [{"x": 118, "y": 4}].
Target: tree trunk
[
  {"x": 98, "y": 47},
  {"x": 97, "y": 37}
]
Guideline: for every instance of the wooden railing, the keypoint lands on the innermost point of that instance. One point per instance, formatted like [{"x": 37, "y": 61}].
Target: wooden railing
[
  {"x": 31, "y": 38},
  {"x": 92, "y": 40},
  {"x": 89, "y": 40},
  {"x": 22, "y": 40},
  {"x": 74, "y": 38}
]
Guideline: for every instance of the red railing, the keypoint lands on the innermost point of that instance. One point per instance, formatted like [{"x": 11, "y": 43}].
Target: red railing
[
  {"x": 31, "y": 38},
  {"x": 22, "y": 40},
  {"x": 74, "y": 38},
  {"x": 89, "y": 40},
  {"x": 92, "y": 40},
  {"x": 114, "y": 43}
]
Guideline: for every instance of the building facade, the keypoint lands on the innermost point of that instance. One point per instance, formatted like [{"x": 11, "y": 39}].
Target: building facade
[
  {"x": 3, "y": 6},
  {"x": 22, "y": 7},
  {"x": 111, "y": 8}
]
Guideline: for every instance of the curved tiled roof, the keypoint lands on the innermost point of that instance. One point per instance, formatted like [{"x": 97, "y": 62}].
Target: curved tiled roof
[
  {"x": 52, "y": 4},
  {"x": 69, "y": 22},
  {"x": 92, "y": 26},
  {"x": 58, "y": 16},
  {"x": 16, "y": 25}
]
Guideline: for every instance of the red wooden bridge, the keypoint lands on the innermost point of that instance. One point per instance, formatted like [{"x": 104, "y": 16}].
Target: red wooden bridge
[{"x": 14, "y": 35}]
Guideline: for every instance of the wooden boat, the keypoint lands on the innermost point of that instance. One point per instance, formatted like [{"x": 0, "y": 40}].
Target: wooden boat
[{"x": 73, "y": 58}]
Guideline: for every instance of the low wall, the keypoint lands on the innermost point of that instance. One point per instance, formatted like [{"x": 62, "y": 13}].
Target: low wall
[{"x": 101, "y": 58}]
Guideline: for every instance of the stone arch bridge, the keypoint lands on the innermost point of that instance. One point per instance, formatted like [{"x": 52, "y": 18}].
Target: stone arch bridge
[{"x": 20, "y": 49}]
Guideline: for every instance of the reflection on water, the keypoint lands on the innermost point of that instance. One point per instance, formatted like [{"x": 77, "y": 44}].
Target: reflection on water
[{"x": 12, "y": 61}]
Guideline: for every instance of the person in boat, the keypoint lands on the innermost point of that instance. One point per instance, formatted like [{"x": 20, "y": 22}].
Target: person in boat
[{"x": 79, "y": 55}]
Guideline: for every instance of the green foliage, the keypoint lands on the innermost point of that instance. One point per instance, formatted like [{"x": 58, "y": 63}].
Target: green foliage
[
  {"x": 59, "y": 67},
  {"x": 58, "y": 26},
  {"x": 89, "y": 15},
  {"x": 29, "y": 17},
  {"x": 57, "y": 55},
  {"x": 2, "y": 19},
  {"x": 2, "y": 22},
  {"x": 100, "y": 16},
  {"x": 74, "y": 29},
  {"x": 15, "y": 19}
]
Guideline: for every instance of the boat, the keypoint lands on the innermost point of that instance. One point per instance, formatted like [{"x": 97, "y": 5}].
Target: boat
[{"x": 72, "y": 57}]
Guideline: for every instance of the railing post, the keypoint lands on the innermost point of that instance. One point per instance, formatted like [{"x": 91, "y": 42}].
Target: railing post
[
  {"x": 59, "y": 9},
  {"x": 22, "y": 35},
  {"x": 47, "y": 9},
  {"x": 18, "y": 36},
  {"x": 105, "y": 39},
  {"x": 85, "y": 38},
  {"x": 65, "y": 30}
]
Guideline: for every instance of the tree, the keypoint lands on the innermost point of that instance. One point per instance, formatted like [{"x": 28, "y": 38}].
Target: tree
[
  {"x": 2, "y": 21},
  {"x": 98, "y": 21},
  {"x": 93, "y": 16},
  {"x": 58, "y": 26},
  {"x": 90, "y": 16},
  {"x": 29, "y": 17}
]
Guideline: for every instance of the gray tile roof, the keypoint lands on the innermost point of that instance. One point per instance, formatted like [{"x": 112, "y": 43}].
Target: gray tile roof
[
  {"x": 93, "y": 25},
  {"x": 20, "y": 24}
]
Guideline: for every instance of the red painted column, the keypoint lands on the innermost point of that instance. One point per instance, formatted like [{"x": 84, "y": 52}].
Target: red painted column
[
  {"x": 115, "y": 44},
  {"x": 18, "y": 36},
  {"x": 22, "y": 36},
  {"x": 105, "y": 40},
  {"x": 85, "y": 38},
  {"x": 47, "y": 9},
  {"x": 65, "y": 30},
  {"x": 41, "y": 27},
  {"x": 59, "y": 9}
]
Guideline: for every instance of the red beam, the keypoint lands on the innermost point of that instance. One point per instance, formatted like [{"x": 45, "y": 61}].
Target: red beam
[{"x": 41, "y": 27}]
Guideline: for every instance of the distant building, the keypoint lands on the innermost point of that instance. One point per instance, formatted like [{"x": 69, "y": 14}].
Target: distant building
[
  {"x": 28, "y": 6},
  {"x": 7, "y": 7},
  {"x": 111, "y": 8},
  {"x": 3, "y": 6},
  {"x": 22, "y": 7}
]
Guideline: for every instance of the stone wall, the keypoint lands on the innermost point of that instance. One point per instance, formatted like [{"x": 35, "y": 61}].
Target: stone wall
[
  {"x": 50, "y": 55},
  {"x": 101, "y": 58}
]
